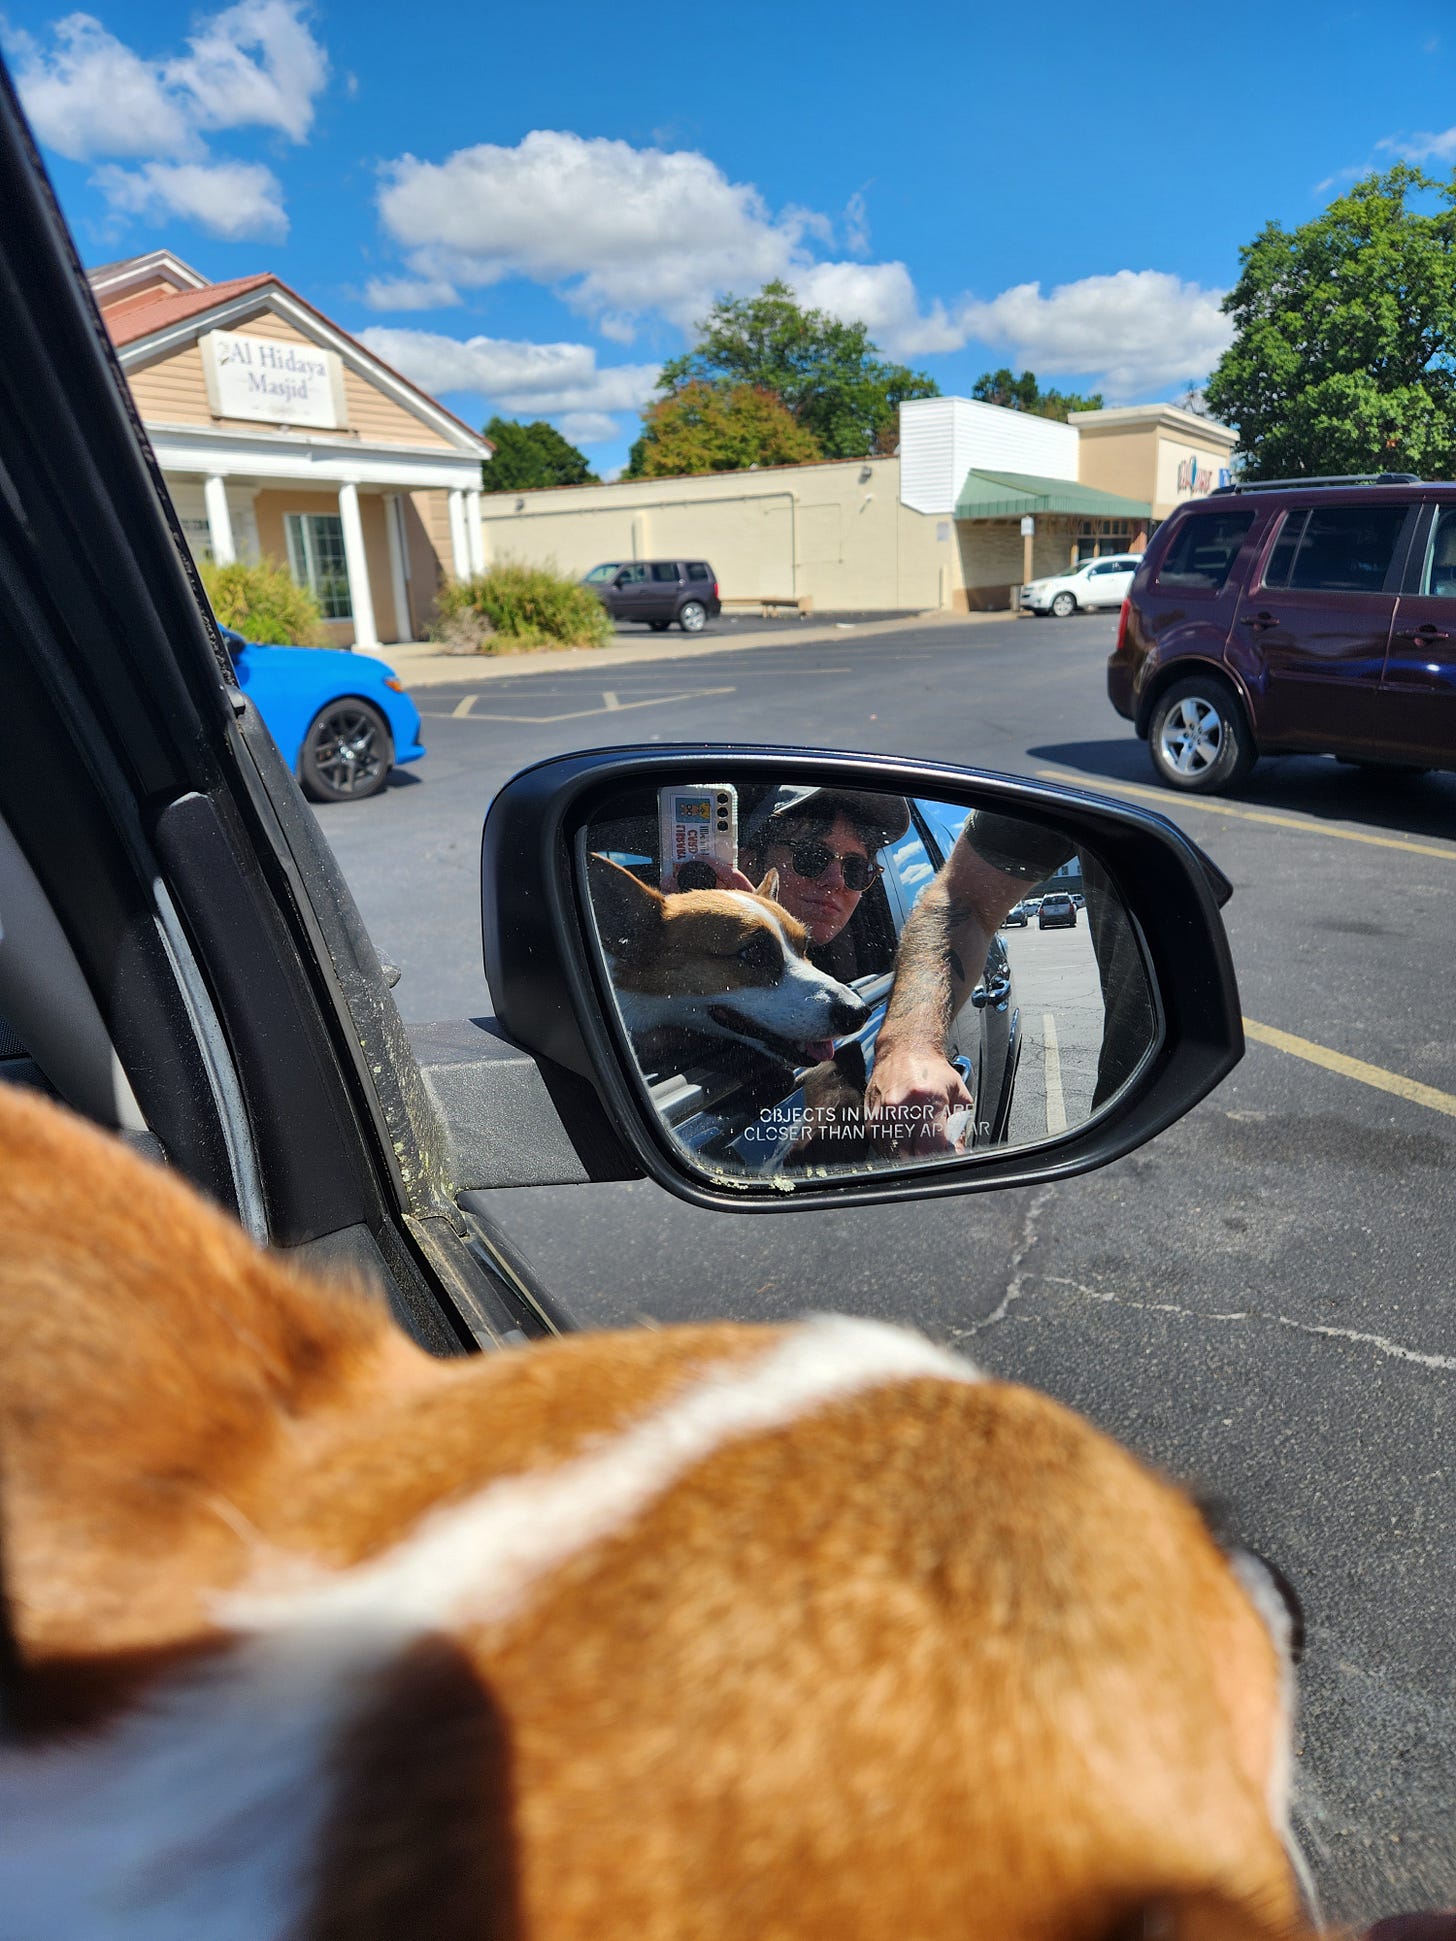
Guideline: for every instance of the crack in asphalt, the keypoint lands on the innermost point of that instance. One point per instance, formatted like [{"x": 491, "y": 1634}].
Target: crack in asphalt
[
  {"x": 1016, "y": 1281},
  {"x": 1381, "y": 1343}
]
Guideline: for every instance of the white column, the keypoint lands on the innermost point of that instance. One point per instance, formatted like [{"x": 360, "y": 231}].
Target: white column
[
  {"x": 459, "y": 538},
  {"x": 398, "y": 563},
  {"x": 474, "y": 533},
  {"x": 219, "y": 520},
  {"x": 357, "y": 562}
]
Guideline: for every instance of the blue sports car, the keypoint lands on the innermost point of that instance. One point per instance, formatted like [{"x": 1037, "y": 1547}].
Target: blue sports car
[{"x": 341, "y": 720}]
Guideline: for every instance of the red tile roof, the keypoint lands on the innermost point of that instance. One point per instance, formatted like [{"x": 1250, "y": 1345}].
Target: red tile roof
[{"x": 147, "y": 317}]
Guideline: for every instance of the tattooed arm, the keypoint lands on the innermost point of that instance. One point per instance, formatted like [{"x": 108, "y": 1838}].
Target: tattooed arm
[{"x": 914, "y": 1088}]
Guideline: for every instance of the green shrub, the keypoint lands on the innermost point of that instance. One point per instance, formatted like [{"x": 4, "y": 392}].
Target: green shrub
[
  {"x": 264, "y": 602},
  {"x": 514, "y": 607}
]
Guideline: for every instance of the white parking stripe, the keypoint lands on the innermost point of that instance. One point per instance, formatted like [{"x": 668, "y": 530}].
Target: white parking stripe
[{"x": 1056, "y": 1105}]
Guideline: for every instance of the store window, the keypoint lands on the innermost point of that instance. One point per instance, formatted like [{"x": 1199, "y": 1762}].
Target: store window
[
  {"x": 316, "y": 560},
  {"x": 1099, "y": 537}
]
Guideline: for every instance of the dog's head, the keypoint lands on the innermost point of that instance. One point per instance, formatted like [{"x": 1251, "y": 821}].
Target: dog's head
[
  {"x": 803, "y": 1631},
  {"x": 723, "y": 963}
]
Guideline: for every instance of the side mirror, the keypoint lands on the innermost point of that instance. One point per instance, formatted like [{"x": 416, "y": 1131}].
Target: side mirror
[
  {"x": 622, "y": 579},
  {"x": 784, "y": 972}
]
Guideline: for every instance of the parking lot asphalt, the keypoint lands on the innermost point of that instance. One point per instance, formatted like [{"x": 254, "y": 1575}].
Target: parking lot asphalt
[{"x": 1259, "y": 1300}]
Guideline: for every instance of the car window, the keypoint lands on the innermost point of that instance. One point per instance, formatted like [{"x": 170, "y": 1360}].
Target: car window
[
  {"x": 1438, "y": 579},
  {"x": 1203, "y": 551},
  {"x": 665, "y": 570},
  {"x": 698, "y": 571},
  {"x": 599, "y": 574},
  {"x": 636, "y": 574},
  {"x": 1336, "y": 549}
]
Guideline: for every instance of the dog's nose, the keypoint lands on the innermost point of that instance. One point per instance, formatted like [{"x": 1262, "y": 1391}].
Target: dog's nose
[{"x": 849, "y": 1014}]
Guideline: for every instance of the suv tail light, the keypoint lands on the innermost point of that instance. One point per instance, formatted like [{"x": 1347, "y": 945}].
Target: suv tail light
[
  {"x": 715, "y": 589},
  {"x": 1122, "y": 626}
]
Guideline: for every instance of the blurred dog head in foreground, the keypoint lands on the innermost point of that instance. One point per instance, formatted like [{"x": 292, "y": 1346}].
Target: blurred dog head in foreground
[{"x": 721, "y": 1632}]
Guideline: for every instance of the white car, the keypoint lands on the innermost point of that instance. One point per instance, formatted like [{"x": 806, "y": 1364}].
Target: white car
[{"x": 1094, "y": 583}]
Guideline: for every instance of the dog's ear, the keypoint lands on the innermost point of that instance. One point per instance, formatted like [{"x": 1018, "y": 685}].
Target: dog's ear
[
  {"x": 629, "y": 912},
  {"x": 769, "y": 887},
  {"x": 152, "y": 1361}
]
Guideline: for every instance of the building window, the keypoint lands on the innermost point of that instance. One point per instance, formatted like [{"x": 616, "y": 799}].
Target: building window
[
  {"x": 1098, "y": 537},
  {"x": 316, "y": 559}
]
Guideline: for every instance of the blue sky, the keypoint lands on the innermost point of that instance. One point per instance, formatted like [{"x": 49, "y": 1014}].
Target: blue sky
[{"x": 526, "y": 208}]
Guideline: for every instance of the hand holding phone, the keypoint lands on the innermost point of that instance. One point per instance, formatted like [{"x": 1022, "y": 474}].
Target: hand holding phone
[{"x": 698, "y": 827}]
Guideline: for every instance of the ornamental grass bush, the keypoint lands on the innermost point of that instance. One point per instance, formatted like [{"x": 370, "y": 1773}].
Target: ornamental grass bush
[
  {"x": 261, "y": 598},
  {"x": 514, "y": 607}
]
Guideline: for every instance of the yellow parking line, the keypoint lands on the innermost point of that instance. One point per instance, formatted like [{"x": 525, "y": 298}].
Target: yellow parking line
[
  {"x": 1336, "y": 1061},
  {"x": 1166, "y": 800}
]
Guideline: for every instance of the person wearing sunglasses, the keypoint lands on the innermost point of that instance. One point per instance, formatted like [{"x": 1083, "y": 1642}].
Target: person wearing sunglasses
[{"x": 825, "y": 845}]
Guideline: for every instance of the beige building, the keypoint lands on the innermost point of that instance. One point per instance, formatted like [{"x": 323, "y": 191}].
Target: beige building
[
  {"x": 281, "y": 437},
  {"x": 941, "y": 524}
]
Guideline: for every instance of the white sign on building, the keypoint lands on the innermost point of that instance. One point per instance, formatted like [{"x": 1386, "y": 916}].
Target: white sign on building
[{"x": 270, "y": 379}]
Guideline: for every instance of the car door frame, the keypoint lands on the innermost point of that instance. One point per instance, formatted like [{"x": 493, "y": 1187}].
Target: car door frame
[
  {"x": 1316, "y": 663},
  {"x": 1415, "y": 707}
]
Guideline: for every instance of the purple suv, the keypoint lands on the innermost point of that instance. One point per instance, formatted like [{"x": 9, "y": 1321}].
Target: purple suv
[{"x": 1312, "y": 616}]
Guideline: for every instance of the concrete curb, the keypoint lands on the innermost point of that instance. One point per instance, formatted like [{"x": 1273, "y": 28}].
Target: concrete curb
[{"x": 418, "y": 666}]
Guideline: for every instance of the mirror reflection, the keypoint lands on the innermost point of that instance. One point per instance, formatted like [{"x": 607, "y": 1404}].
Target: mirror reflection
[{"x": 819, "y": 979}]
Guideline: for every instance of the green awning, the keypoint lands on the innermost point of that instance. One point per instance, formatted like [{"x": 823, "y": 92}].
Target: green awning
[{"x": 1007, "y": 495}]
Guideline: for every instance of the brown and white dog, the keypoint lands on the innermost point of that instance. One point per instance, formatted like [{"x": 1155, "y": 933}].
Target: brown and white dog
[
  {"x": 807, "y": 1632},
  {"x": 718, "y": 963}
]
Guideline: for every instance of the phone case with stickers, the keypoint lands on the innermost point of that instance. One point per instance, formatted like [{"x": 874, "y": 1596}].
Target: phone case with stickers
[{"x": 697, "y": 824}]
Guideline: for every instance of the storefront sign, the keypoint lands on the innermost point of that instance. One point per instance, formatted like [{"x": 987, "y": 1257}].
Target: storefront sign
[
  {"x": 1197, "y": 479},
  {"x": 272, "y": 380}
]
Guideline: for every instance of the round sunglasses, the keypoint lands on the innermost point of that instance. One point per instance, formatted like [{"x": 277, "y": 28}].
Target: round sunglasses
[{"x": 812, "y": 859}]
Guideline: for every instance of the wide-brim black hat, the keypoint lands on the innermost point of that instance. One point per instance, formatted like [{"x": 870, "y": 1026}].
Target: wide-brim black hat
[{"x": 888, "y": 814}]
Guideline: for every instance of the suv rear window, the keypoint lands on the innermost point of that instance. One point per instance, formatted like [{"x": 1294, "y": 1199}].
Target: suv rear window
[
  {"x": 1204, "y": 549},
  {"x": 697, "y": 570},
  {"x": 1336, "y": 549}
]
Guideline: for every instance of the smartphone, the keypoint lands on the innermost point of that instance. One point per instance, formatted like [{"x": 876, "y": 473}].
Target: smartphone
[{"x": 695, "y": 824}]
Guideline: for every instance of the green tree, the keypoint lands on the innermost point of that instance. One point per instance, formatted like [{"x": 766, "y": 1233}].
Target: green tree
[
  {"x": 828, "y": 373},
  {"x": 1344, "y": 351},
  {"x": 529, "y": 456},
  {"x": 1022, "y": 394},
  {"x": 705, "y": 427}
]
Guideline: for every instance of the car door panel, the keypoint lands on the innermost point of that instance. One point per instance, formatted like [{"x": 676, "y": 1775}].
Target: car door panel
[
  {"x": 1416, "y": 705},
  {"x": 1318, "y": 625}
]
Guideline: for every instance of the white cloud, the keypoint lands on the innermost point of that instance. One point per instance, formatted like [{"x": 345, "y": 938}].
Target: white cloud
[
  {"x": 882, "y": 297},
  {"x": 588, "y": 427},
  {"x": 94, "y": 96},
  {"x": 253, "y": 65},
  {"x": 1128, "y": 333},
  {"x": 1425, "y": 147},
  {"x": 539, "y": 380},
  {"x": 622, "y": 231},
  {"x": 229, "y": 199},
  {"x": 856, "y": 225},
  {"x": 409, "y": 293}
]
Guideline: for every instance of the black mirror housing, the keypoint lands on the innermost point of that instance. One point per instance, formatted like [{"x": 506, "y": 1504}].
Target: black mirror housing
[{"x": 552, "y": 991}]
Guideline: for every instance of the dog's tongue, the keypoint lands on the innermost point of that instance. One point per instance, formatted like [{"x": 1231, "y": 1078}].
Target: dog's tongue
[{"x": 817, "y": 1050}]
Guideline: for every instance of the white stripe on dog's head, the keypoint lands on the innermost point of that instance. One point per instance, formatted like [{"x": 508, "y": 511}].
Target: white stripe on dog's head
[{"x": 480, "y": 1559}]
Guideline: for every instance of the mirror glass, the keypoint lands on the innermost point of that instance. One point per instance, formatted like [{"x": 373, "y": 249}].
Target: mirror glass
[{"x": 816, "y": 980}]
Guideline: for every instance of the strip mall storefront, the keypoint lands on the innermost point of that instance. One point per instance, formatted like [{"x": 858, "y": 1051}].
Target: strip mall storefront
[
  {"x": 942, "y": 524},
  {"x": 280, "y": 437}
]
